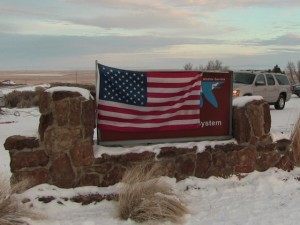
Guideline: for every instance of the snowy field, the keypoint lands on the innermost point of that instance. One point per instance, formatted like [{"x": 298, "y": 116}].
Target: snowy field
[{"x": 271, "y": 197}]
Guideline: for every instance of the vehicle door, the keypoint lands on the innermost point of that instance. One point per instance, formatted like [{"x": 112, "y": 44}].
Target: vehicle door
[
  {"x": 260, "y": 86},
  {"x": 272, "y": 88}
]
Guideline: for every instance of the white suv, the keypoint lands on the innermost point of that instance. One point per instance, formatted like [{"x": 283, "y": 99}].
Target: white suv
[{"x": 275, "y": 88}]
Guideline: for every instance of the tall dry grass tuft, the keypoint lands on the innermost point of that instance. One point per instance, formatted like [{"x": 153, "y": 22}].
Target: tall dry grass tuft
[
  {"x": 11, "y": 211},
  {"x": 295, "y": 137},
  {"x": 144, "y": 196}
]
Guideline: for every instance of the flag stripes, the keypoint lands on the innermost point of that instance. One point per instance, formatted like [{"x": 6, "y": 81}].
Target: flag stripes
[{"x": 172, "y": 102}]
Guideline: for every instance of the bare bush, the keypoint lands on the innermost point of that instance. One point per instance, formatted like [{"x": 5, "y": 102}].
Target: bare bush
[
  {"x": 11, "y": 211},
  {"x": 212, "y": 65},
  {"x": 188, "y": 66},
  {"x": 291, "y": 72},
  {"x": 298, "y": 72},
  {"x": 295, "y": 137},
  {"x": 146, "y": 197},
  {"x": 22, "y": 99}
]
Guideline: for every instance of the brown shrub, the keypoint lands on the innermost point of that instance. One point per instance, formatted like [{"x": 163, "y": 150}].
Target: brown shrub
[
  {"x": 146, "y": 197},
  {"x": 11, "y": 211},
  {"x": 22, "y": 99}
]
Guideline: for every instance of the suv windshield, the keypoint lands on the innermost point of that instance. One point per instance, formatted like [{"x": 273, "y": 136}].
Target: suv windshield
[{"x": 243, "y": 78}]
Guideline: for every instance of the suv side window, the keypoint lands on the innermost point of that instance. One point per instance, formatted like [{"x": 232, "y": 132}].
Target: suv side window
[
  {"x": 260, "y": 80},
  {"x": 282, "y": 80},
  {"x": 270, "y": 79}
]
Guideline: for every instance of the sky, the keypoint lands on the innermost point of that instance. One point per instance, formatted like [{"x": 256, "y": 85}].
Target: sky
[{"x": 148, "y": 34}]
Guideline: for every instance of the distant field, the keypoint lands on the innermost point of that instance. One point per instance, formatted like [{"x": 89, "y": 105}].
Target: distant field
[{"x": 42, "y": 77}]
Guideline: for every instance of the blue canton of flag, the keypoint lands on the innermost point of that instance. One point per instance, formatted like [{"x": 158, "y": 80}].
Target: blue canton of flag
[{"x": 123, "y": 86}]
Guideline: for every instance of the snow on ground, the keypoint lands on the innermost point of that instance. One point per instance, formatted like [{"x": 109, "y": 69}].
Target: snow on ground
[
  {"x": 283, "y": 121},
  {"x": 271, "y": 197}
]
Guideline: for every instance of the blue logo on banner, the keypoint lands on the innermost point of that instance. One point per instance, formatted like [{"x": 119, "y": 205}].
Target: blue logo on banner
[{"x": 207, "y": 94}]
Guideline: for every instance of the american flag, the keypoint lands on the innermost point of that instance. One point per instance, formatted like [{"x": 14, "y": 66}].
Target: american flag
[{"x": 131, "y": 101}]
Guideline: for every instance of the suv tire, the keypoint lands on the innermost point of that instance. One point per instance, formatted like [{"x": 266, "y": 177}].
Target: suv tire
[{"x": 280, "y": 102}]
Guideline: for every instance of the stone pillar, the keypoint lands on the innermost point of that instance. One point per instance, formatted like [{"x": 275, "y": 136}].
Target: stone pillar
[
  {"x": 66, "y": 131},
  {"x": 252, "y": 123}
]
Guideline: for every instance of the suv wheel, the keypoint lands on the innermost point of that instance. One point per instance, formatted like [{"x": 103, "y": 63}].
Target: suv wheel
[{"x": 280, "y": 102}]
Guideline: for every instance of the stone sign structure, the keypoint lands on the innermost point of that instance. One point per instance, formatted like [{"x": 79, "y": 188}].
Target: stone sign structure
[{"x": 63, "y": 154}]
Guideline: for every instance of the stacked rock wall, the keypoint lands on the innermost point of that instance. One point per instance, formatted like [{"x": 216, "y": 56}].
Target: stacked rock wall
[
  {"x": 66, "y": 141},
  {"x": 63, "y": 155}
]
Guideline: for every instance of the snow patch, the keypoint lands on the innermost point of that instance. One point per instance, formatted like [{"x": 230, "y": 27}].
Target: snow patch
[
  {"x": 43, "y": 190},
  {"x": 7, "y": 90},
  {"x": 242, "y": 101},
  {"x": 84, "y": 92},
  {"x": 8, "y": 82},
  {"x": 99, "y": 150}
]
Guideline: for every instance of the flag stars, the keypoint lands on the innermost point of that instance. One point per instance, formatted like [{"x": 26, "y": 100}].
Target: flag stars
[{"x": 124, "y": 87}]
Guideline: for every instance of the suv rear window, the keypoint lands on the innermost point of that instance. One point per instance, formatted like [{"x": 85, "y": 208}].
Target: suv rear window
[
  {"x": 270, "y": 79},
  {"x": 243, "y": 78},
  {"x": 282, "y": 80}
]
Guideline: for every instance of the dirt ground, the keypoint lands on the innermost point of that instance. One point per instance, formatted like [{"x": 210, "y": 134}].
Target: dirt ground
[{"x": 42, "y": 77}]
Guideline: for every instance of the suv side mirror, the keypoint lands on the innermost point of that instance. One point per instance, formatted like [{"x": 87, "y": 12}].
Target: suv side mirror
[{"x": 259, "y": 83}]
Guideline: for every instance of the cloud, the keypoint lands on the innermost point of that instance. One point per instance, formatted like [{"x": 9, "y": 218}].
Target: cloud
[
  {"x": 284, "y": 40},
  {"x": 136, "y": 52},
  {"x": 33, "y": 50},
  {"x": 139, "y": 20},
  {"x": 46, "y": 45},
  {"x": 142, "y": 14},
  {"x": 217, "y": 4}
]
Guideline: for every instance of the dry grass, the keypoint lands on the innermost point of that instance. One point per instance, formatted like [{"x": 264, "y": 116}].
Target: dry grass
[
  {"x": 11, "y": 211},
  {"x": 295, "y": 137},
  {"x": 145, "y": 197}
]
